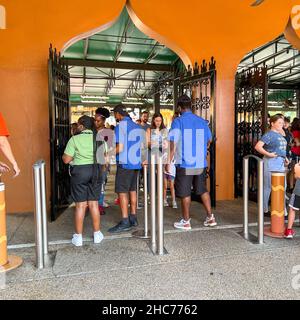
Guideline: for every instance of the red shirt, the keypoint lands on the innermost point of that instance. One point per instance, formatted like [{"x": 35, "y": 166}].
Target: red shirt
[{"x": 3, "y": 128}]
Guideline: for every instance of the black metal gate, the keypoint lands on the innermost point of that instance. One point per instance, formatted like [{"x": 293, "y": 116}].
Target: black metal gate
[
  {"x": 59, "y": 116},
  {"x": 250, "y": 123},
  {"x": 199, "y": 84}
]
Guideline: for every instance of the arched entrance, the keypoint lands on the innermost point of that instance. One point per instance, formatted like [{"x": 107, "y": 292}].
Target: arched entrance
[
  {"x": 267, "y": 83},
  {"x": 120, "y": 65}
]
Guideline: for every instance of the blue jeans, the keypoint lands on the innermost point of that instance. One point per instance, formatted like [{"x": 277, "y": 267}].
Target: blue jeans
[{"x": 271, "y": 165}]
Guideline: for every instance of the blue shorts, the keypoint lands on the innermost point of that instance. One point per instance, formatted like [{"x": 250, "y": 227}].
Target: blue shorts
[{"x": 169, "y": 177}]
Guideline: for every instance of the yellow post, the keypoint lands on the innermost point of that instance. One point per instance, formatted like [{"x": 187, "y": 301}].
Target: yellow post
[
  {"x": 6, "y": 262},
  {"x": 277, "y": 206}
]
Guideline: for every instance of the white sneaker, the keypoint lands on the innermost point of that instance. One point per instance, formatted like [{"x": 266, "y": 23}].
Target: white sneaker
[
  {"x": 210, "y": 221},
  {"x": 182, "y": 224},
  {"x": 98, "y": 237},
  {"x": 166, "y": 204},
  {"x": 77, "y": 240},
  {"x": 105, "y": 204},
  {"x": 175, "y": 205}
]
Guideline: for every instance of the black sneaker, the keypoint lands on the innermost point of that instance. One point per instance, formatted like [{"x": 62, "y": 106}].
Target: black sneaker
[
  {"x": 267, "y": 214},
  {"x": 120, "y": 227},
  {"x": 133, "y": 220}
]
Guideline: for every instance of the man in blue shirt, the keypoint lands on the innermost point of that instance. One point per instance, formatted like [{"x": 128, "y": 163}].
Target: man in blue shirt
[
  {"x": 189, "y": 139},
  {"x": 128, "y": 137}
]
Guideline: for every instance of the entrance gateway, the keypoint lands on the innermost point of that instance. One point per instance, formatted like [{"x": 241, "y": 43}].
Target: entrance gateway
[
  {"x": 198, "y": 83},
  {"x": 267, "y": 83}
]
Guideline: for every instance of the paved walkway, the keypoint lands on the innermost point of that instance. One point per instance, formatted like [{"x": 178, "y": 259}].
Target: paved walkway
[
  {"x": 211, "y": 264},
  {"x": 201, "y": 264}
]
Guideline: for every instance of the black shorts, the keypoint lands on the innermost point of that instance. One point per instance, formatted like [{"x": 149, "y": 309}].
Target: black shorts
[
  {"x": 186, "y": 179},
  {"x": 295, "y": 202},
  {"x": 126, "y": 180},
  {"x": 86, "y": 182}
]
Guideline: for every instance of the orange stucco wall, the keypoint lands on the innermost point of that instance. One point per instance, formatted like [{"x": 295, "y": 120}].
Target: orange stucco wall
[
  {"x": 31, "y": 26},
  {"x": 194, "y": 29}
]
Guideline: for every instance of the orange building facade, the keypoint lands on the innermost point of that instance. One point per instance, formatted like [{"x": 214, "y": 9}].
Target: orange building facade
[{"x": 193, "y": 29}]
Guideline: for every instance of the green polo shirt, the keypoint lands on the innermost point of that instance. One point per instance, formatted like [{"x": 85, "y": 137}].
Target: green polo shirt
[{"x": 80, "y": 148}]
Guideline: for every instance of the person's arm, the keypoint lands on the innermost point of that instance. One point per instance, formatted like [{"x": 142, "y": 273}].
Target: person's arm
[
  {"x": 119, "y": 138},
  {"x": 297, "y": 171},
  {"x": 259, "y": 148},
  {"x": 148, "y": 137},
  {"x": 6, "y": 150},
  {"x": 297, "y": 142},
  {"x": 69, "y": 153},
  {"x": 209, "y": 138},
  {"x": 67, "y": 159},
  {"x": 119, "y": 148},
  {"x": 173, "y": 139}
]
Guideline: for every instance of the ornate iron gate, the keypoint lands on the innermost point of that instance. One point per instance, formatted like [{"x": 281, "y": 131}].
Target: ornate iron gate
[
  {"x": 250, "y": 123},
  {"x": 199, "y": 84},
  {"x": 59, "y": 116}
]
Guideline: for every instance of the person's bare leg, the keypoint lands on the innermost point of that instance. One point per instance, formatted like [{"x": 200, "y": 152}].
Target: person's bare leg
[
  {"x": 291, "y": 178},
  {"x": 165, "y": 188},
  {"x": 124, "y": 204},
  {"x": 291, "y": 218},
  {"x": 95, "y": 214},
  {"x": 172, "y": 189},
  {"x": 185, "y": 207},
  {"x": 133, "y": 202},
  {"x": 79, "y": 216},
  {"x": 205, "y": 197}
]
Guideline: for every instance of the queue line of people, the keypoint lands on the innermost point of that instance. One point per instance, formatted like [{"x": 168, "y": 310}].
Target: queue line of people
[
  {"x": 280, "y": 147},
  {"x": 89, "y": 151}
]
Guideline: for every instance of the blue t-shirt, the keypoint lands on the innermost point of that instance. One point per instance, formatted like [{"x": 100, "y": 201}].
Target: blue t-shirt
[
  {"x": 274, "y": 142},
  {"x": 191, "y": 135},
  {"x": 130, "y": 135}
]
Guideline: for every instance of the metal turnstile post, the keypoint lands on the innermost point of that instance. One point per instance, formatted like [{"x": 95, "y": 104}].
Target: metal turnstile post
[{"x": 260, "y": 231}]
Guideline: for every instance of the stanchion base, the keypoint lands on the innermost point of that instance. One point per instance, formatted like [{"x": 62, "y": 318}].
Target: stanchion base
[
  {"x": 13, "y": 263},
  {"x": 269, "y": 233},
  {"x": 140, "y": 234},
  {"x": 154, "y": 251},
  {"x": 251, "y": 237}
]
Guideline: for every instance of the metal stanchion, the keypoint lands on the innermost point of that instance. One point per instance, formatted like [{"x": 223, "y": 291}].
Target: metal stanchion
[
  {"x": 160, "y": 206},
  {"x": 44, "y": 208},
  {"x": 245, "y": 197},
  {"x": 153, "y": 202},
  {"x": 144, "y": 234},
  {"x": 260, "y": 202},
  {"x": 138, "y": 191},
  {"x": 156, "y": 199},
  {"x": 7, "y": 263},
  {"x": 248, "y": 236},
  {"x": 38, "y": 218},
  {"x": 40, "y": 215}
]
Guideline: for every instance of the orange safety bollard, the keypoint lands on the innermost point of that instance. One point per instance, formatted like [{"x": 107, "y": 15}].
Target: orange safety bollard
[
  {"x": 7, "y": 263},
  {"x": 277, "y": 206}
]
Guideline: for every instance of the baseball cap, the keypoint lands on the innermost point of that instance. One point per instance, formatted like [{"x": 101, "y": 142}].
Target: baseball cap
[{"x": 121, "y": 109}]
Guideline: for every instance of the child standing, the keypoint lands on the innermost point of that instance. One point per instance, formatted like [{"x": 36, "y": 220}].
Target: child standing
[{"x": 169, "y": 178}]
